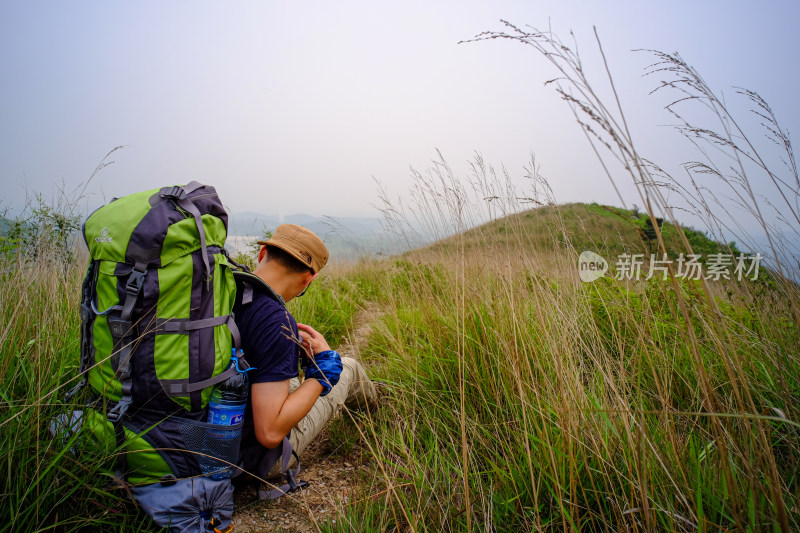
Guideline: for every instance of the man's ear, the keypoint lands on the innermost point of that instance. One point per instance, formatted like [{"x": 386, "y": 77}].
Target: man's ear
[{"x": 262, "y": 252}]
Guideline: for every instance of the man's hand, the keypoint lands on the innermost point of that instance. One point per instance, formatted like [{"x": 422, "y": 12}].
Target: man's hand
[
  {"x": 313, "y": 340},
  {"x": 326, "y": 365}
]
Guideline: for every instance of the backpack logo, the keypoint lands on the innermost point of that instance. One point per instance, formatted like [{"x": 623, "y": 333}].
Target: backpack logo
[{"x": 103, "y": 236}]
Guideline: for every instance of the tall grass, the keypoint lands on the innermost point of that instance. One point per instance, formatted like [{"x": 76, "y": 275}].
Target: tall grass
[
  {"x": 51, "y": 480},
  {"x": 526, "y": 400},
  {"x": 48, "y": 482}
]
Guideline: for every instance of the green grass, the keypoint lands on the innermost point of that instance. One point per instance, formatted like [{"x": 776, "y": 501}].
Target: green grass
[
  {"x": 527, "y": 400},
  {"x": 584, "y": 405},
  {"x": 47, "y": 483}
]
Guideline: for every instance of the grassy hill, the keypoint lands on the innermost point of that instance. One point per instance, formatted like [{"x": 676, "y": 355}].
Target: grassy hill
[{"x": 609, "y": 231}]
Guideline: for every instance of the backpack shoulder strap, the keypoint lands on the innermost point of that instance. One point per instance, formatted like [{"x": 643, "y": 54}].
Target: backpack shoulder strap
[{"x": 247, "y": 282}]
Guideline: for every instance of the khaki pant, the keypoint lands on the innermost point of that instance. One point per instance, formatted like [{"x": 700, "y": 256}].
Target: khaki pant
[{"x": 354, "y": 390}]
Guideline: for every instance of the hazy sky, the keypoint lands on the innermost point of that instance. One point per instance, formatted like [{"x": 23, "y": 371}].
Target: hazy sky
[{"x": 294, "y": 107}]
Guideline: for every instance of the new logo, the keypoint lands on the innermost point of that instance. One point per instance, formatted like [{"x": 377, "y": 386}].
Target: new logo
[{"x": 591, "y": 266}]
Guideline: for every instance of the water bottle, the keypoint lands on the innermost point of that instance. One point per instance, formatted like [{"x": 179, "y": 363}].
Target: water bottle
[{"x": 225, "y": 408}]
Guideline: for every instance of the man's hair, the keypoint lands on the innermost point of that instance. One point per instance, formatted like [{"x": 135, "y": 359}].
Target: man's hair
[{"x": 286, "y": 260}]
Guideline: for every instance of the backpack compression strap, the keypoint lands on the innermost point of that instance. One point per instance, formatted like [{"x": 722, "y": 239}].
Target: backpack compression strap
[
  {"x": 182, "y": 387},
  {"x": 291, "y": 484},
  {"x": 122, "y": 328},
  {"x": 180, "y": 195},
  {"x": 87, "y": 320}
]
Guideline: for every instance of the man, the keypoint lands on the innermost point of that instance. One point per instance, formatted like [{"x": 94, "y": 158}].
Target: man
[{"x": 280, "y": 404}]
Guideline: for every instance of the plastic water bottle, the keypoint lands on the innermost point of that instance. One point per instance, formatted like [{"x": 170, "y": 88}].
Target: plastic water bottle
[{"x": 225, "y": 408}]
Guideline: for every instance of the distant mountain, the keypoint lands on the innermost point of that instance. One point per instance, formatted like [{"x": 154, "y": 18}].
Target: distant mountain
[
  {"x": 250, "y": 223},
  {"x": 5, "y": 225},
  {"x": 345, "y": 237}
]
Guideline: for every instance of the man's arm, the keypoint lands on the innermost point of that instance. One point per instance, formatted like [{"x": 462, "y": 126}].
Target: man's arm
[{"x": 276, "y": 412}]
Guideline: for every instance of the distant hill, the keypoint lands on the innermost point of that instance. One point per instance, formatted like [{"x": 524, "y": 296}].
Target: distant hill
[
  {"x": 251, "y": 223},
  {"x": 5, "y": 225},
  {"x": 606, "y": 230},
  {"x": 345, "y": 237}
]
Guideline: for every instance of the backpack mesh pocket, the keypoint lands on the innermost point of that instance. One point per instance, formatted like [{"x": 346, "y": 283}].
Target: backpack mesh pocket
[{"x": 217, "y": 445}]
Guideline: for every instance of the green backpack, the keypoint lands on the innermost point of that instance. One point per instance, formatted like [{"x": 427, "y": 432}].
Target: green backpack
[{"x": 157, "y": 327}]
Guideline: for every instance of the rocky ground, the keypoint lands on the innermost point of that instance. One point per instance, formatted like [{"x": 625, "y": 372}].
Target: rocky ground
[
  {"x": 332, "y": 470},
  {"x": 331, "y": 479}
]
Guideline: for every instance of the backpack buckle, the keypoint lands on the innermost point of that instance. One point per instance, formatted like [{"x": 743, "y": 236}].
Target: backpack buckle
[
  {"x": 294, "y": 486},
  {"x": 135, "y": 282},
  {"x": 175, "y": 192},
  {"x": 116, "y": 413}
]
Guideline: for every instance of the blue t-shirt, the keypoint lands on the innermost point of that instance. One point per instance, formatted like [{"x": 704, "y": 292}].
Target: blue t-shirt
[{"x": 269, "y": 338}]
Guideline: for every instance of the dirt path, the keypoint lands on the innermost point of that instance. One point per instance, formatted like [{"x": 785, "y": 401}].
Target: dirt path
[{"x": 331, "y": 474}]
